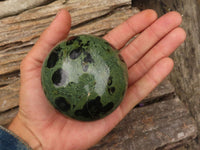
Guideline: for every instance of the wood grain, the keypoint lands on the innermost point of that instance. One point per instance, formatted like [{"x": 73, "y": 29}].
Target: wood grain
[
  {"x": 7, "y": 116},
  {"x": 154, "y": 127},
  {"x": 13, "y": 7}
]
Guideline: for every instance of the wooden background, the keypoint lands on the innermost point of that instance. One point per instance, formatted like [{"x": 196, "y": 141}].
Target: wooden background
[{"x": 162, "y": 120}]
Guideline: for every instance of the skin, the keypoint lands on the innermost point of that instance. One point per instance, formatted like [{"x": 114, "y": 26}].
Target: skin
[{"x": 147, "y": 58}]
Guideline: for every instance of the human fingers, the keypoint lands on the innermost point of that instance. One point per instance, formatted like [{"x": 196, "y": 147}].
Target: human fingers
[
  {"x": 162, "y": 49},
  {"x": 140, "y": 89},
  {"x": 120, "y": 35},
  {"x": 149, "y": 37}
]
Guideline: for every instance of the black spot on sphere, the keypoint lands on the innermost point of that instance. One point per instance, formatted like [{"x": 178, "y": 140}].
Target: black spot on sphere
[
  {"x": 53, "y": 58},
  {"x": 98, "y": 98},
  {"x": 70, "y": 83},
  {"x": 110, "y": 81},
  {"x": 91, "y": 109},
  {"x": 75, "y": 53},
  {"x": 83, "y": 112},
  {"x": 87, "y": 44},
  {"x": 57, "y": 49},
  {"x": 88, "y": 58},
  {"x": 111, "y": 90},
  {"x": 59, "y": 77},
  {"x": 62, "y": 104},
  {"x": 108, "y": 107},
  {"x": 85, "y": 67},
  {"x": 56, "y": 78},
  {"x": 71, "y": 40},
  {"x": 79, "y": 40},
  {"x": 94, "y": 108}
]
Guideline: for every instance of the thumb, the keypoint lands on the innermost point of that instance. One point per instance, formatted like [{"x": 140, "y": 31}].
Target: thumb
[{"x": 56, "y": 32}]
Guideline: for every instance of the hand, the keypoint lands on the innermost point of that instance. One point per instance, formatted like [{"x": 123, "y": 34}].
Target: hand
[{"x": 42, "y": 127}]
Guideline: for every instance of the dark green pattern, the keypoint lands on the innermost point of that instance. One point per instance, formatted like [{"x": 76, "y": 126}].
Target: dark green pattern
[{"x": 84, "y": 78}]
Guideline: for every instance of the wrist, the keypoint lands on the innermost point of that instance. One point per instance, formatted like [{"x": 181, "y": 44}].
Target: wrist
[{"x": 20, "y": 129}]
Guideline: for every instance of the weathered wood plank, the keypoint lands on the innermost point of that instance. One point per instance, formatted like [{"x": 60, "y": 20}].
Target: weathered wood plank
[
  {"x": 40, "y": 17},
  {"x": 165, "y": 89},
  {"x": 189, "y": 145},
  {"x": 7, "y": 117},
  {"x": 12, "y": 7},
  {"x": 186, "y": 74},
  {"x": 158, "y": 126},
  {"x": 9, "y": 96},
  {"x": 102, "y": 25}
]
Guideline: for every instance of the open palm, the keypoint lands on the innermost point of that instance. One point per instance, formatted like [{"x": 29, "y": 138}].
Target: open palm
[{"x": 42, "y": 127}]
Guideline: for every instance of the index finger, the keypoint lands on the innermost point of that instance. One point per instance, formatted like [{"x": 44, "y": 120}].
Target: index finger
[{"x": 119, "y": 36}]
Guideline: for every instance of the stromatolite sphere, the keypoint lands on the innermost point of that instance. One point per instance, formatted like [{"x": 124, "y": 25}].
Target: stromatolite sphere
[{"x": 84, "y": 78}]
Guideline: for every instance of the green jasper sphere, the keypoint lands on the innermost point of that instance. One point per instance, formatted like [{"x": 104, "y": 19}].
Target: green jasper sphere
[{"x": 84, "y": 78}]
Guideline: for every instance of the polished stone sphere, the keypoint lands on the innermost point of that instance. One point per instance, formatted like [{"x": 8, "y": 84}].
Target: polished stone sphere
[{"x": 84, "y": 78}]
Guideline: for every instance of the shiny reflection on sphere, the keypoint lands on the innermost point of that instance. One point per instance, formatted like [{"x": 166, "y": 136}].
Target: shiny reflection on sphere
[{"x": 84, "y": 78}]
